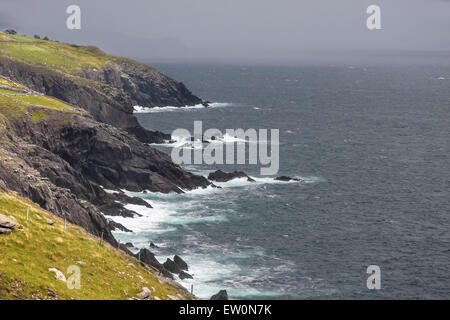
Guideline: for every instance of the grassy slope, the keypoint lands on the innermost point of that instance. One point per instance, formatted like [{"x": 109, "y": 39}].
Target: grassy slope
[
  {"x": 27, "y": 255},
  {"x": 63, "y": 57},
  {"x": 16, "y": 104}
]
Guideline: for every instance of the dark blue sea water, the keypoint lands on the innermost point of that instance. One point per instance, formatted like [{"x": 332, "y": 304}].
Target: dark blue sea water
[{"x": 372, "y": 144}]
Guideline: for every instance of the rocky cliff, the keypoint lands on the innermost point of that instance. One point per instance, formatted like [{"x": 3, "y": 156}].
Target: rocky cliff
[
  {"x": 106, "y": 86},
  {"x": 61, "y": 153}
]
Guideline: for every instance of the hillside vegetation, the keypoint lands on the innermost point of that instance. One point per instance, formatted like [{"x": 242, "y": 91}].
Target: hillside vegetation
[
  {"x": 69, "y": 58},
  {"x": 35, "y": 246}
]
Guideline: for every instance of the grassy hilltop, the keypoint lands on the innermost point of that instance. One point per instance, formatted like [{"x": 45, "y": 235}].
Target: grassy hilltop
[{"x": 68, "y": 58}]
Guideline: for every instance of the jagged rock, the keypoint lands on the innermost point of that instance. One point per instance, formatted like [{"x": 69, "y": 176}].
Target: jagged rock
[
  {"x": 181, "y": 263},
  {"x": 286, "y": 179},
  {"x": 7, "y": 222},
  {"x": 220, "y": 176},
  {"x": 152, "y": 245},
  {"x": 115, "y": 225},
  {"x": 184, "y": 275},
  {"x": 221, "y": 295},
  {"x": 58, "y": 274},
  {"x": 5, "y": 230},
  {"x": 117, "y": 209},
  {"x": 145, "y": 294},
  {"x": 129, "y": 245},
  {"x": 172, "y": 266},
  {"x": 147, "y": 257}
]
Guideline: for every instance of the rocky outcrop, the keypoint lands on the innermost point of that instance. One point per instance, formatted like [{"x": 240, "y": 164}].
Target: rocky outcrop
[
  {"x": 181, "y": 263},
  {"x": 220, "y": 176},
  {"x": 177, "y": 266},
  {"x": 117, "y": 226},
  {"x": 148, "y": 258},
  {"x": 109, "y": 94}
]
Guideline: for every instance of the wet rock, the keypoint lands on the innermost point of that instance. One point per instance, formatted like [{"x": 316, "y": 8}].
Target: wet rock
[
  {"x": 152, "y": 245},
  {"x": 129, "y": 245},
  {"x": 171, "y": 266},
  {"x": 115, "y": 225},
  {"x": 148, "y": 258},
  {"x": 181, "y": 263},
  {"x": 220, "y": 176},
  {"x": 221, "y": 295},
  {"x": 286, "y": 179},
  {"x": 184, "y": 275}
]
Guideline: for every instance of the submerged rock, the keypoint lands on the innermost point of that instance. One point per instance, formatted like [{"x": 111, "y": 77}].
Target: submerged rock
[
  {"x": 286, "y": 179},
  {"x": 221, "y": 295}
]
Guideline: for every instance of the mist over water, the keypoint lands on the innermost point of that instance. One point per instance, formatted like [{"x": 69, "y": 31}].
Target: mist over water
[{"x": 372, "y": 144}]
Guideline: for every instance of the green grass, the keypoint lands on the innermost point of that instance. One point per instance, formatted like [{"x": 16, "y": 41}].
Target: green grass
[
  {"x": 4, "y": 91},
  {"x": 27, "y": 255},
  {"x": 44, "y": 101},
  {"x": 63, "y": 57},
  {"x": 7, "y": 83}
]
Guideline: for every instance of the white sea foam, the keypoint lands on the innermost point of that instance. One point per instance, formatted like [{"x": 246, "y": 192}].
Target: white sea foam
[
  {"x": 214, "y": 267},
  {"x": 140, "y": 109}
]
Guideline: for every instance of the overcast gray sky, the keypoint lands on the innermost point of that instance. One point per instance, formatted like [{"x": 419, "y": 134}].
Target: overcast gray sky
[{"x": 237, "y": 30}]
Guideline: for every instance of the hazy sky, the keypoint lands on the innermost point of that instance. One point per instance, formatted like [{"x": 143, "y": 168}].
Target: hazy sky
[{"x": 237, "y": 30}]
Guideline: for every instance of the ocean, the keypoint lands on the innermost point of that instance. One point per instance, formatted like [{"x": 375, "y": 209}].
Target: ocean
[{"x": 372, "y": 146}]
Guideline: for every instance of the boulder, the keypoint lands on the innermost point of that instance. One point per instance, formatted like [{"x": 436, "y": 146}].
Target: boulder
[
  {"x": 221, "y": 295},
  {"x": 145, "y": 294},
  {"x": 58, "y": 274},
  {"x": 181, "y": 263},
  {"x": 7, "y": 222},
  {"x": 5, "y": 230},
  {"x": 220, "y": 176}
]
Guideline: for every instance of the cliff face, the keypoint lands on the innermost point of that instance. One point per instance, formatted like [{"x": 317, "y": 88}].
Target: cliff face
[
  {"x": 106, "y": 86},
  {"x": 61, "y": 152},
  {"x": 59, "y": 156}
]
